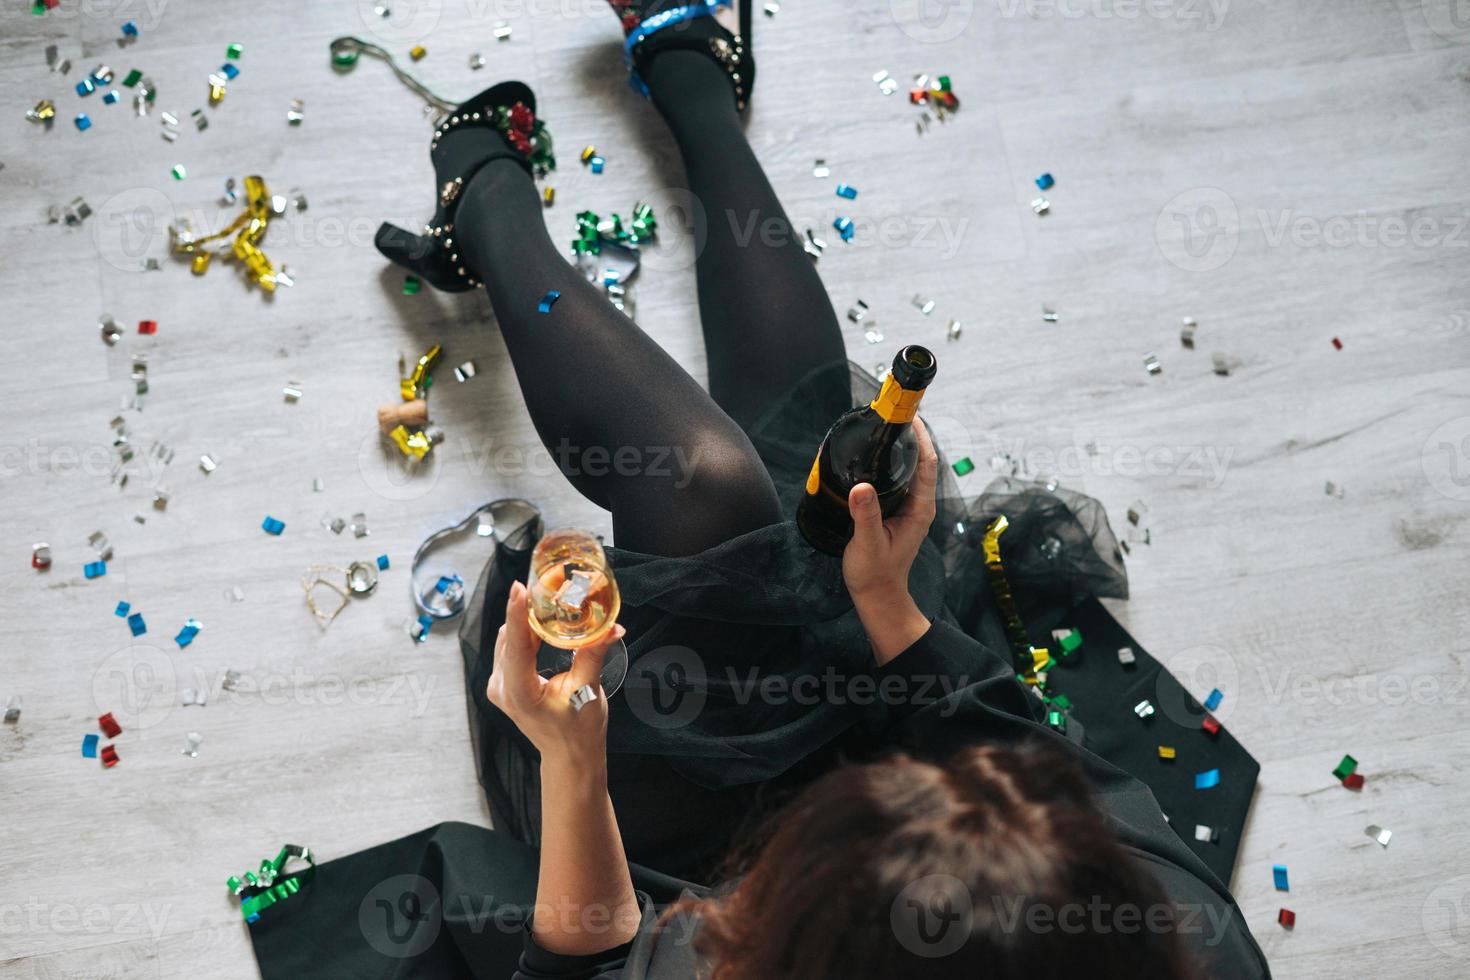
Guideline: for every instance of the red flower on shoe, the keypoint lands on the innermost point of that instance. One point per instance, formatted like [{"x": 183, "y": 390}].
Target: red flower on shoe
[
  {"x": 520, "y": 142},
  {"x": 521, "y": 118}
]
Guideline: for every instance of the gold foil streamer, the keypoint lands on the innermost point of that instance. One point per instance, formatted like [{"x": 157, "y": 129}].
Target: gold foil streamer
[
  {"x": 416, "y": 384},
  {"x": 1029, "y": 660},
  {"x": 247, "y": 230}
]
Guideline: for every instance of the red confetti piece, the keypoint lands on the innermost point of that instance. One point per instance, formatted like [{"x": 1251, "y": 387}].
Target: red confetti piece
[
  {"x": 1287, "y": 918},
  {"x": 109, "y": 725},
  {"x": 1210, "y": 725},
  {"x": 109, "y": 756},
  {"x": 1336, "y": 344},
  {"x": 148, "y": 327},
  {"x": 1353, "y": 780}
]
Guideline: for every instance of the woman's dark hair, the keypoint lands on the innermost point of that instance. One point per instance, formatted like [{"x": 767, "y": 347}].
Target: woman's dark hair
[{"x": 993, "y": 865}]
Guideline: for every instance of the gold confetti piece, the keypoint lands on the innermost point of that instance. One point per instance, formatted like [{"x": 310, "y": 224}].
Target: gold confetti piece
[
  {"x": 417, "y": 52},
  {"x": 44, "y": 112},
  {"x": 247, "y": 231}
]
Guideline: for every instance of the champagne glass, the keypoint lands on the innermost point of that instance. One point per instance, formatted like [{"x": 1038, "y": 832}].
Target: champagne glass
[{"x": 573, "y": 602}]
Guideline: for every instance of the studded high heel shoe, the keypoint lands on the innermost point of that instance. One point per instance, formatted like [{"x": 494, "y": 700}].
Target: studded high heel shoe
[
  {"x": 499, "y": 123},
  {"x": 652, "y": 26}
]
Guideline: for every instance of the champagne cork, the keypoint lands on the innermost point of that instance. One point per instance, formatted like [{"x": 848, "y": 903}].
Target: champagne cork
[{"x": 413, "y": 415}]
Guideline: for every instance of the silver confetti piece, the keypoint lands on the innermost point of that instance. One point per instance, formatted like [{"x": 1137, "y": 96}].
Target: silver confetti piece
[
  {"x": 464, "y": 372},
  {"x": 208, "y": 464},
  {"x": 191, "y": 744},
  {"x": 1151, "y": 364},
  {"x": 1379, "y": 834},
  {"x": 12, "y": 709}
]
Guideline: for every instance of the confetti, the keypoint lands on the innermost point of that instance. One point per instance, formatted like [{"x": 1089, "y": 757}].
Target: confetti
[
  {"x": 464, "y": 372},
  {"x": 1333, "y": 490},
  {"x": 359, "y": 525},
  {"x": 1186, "y": 332},
  {"x": 292, "y": 392},
  {"x": 1151, "y": 364},
  {"x": 1278, "y": 875},
  {"x": 231, "y": 680},
  {"x": 86, "y": 87},
  {"x": 1144, "y": 709},
  {"x": 382, "y": 562},
  {"x": 272, "y": 526},
  {"x": 962, "y": 466},
  {"x": 95, "y": 569},
  {"x": 1068, "y": 639},
  {"x": 12, "y": 709},
  {"x": 411, "y": 285},
  {"x": 813, "y": 245},
  {"x": 122, "y": 609},
  {"x": 873, "y": 335},
  {"x": 502, "y": 31},
  {"x": 1336, "y": 344},
  {"x": 820, "y": 169},
  {"x": 1048, "y": 314},
  {"x": 923, "y": 304},
  {"x": 109, "y": 756},
  {"x": 886, "y": 83},
  {"x": 844, "y": 228},
  {"x": 190, "y": 697},
  {"x": 231, "y": 72},
  {"x": 1040, "y": 205},
  {"x": 41, "y": 556},
  {"x": 134, "y": 77},
  {"x": 44, "y": 112},
  {"x": 89, "y": 746},
  {"x": 1208, "y": 779},
  {"x": 1287, "y": 918},
  {"x": 953, "y": 331},
  {"x": 1045, "y": 182},
  {"x": 136, "y": 624},
  {"x": 1167, "y": 753},
  {"x": 1222, "y": 364},
  {"x": 597, "y": 164},
  {"x": 1379, "y": 834},
  {"x": 208, "y": 464},
  {"x": 1204, "y": 834},
  {"x": 129, "y": 29},
  {"x": 111, "y": 97},
  {"x": 83, "y": 122},
  {"x": 191, "y": 744},
  {"x": 1210, "y": 725},
  {"x": 187, "y": 632},
  {"x": 1345, "y": 768},
  {"x": 109, "y": 725},
  {"x": 477, "y": 61},
  {"x": 1354, "y": 781},
  {"x": 1126, "y": 657},
  {"x": 548, "y": 196},
  {"x": 234, "y": 51},
  {"x": 548, "y": 301},
  {"x": 417, "y": 52},
  {"x": 843, "y": 190},
  {"x": 1213, "y": 701},
  {"x": 296, "y": 112},
  {"x": 857, "y": 312}
]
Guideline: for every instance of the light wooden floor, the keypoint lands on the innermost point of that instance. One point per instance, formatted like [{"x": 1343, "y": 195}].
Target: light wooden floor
[{"x": 1284, "y": 172}]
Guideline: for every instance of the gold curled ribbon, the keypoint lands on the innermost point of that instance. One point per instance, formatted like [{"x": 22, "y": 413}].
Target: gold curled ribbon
[
  {"x": 1030, "y": 661},
  {"x": 248, "y": 229}
]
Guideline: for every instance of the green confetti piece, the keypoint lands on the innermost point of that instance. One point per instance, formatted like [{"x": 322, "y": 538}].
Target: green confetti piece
[
  {"x": 962, "y": 466},
  {"x": 1071, "y": 641},
  {"x": 1345, "y": 768},
  {"x": 38, "y": 8},
  {"x": 134, "y": 77},
  {"x": 234, "y": 50},
  {"x": 1061, "y": 701},
  {"x": 411, "y": 285},
  {"x": 179, "y": 172},
  {"x": 1057, "y": 720}
]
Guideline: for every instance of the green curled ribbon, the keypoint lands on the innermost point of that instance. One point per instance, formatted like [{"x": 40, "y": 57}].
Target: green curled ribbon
[
  {"x": 592, "y": 230},
  {"x": 265, "y": 889}
]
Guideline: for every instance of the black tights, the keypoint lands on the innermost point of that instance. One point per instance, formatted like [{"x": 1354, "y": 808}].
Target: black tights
[{"x": 596, "y": 384}]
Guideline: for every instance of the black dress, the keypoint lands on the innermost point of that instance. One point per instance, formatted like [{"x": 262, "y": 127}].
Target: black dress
[{"x": 718, "y": 722}]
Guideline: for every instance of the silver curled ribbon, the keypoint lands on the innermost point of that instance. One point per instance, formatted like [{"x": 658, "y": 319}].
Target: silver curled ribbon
[
  {"x": 345, "y": 51},
  {"x": 509, "y": 518}
]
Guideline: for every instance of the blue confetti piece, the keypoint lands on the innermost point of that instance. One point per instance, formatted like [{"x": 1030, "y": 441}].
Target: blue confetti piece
[
  {"x": 89, "y": 746},
  {"x": 136, "y": 624},
  {"x": 1045, "y": 182},
  {"x": 426, "y": 623},
  {"x": 1213, "y": 701},
  {"x": 549, "y": 300},
  {"x": 1208, "y": 779},
  {"x": 129, "y": 29},
  {"x": 382, "y": 563},
  {"x": 272, "y": 526},
  {"x": 94, "y": 569},
  {"x": 111, "y": 97},
  {"x": 186, "y": 635},
  {"x": 86, "y": 87},
  {"x": 122, "y": 609},
  {"x": 844, "y": 228},
  {"x": 230, "y": 70},
  {"x": 83, "y": 121},
  {"x": 843, "y": 190},
  {"x": 1278, "y": 871},
  {"x": 597, "y": 163}
]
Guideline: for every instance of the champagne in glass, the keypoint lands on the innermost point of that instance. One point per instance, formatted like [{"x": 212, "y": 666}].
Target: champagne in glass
[{"x": 573, "y": 602}]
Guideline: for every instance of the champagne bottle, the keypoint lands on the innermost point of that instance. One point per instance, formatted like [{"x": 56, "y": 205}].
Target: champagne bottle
[{"x": 873, "y": 445}]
